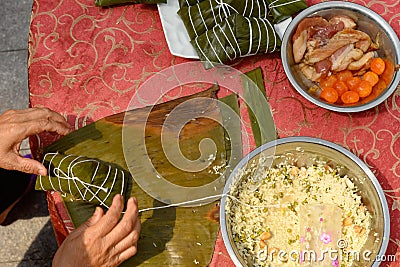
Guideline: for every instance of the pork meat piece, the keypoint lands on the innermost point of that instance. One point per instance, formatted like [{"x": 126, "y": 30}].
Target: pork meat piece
[
  {"x": 301, "y": 35},
  {"x": 300, "y": 46},
  {"x": 310, "y": 72},
  {"x": 364, "y": 61},
  {"x": 344, "y": 56},
  {"x": 346, "y": 20},
  {"x": 339, "y": 40}
]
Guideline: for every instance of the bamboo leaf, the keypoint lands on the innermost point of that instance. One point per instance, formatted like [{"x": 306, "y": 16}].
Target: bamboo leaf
[
  {"x": 174, "y": 236},
  {"x": 283, "y": 9},
  {"x": 262, "y": 122},
  {"x": 232, "y": 130}
]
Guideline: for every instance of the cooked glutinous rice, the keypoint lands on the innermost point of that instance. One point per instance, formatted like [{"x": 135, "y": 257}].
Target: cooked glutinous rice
[{"x": 266, "y": 212}]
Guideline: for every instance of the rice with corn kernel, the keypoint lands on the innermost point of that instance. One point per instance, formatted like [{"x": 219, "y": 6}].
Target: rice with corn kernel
[{"x": 263, "y": 212}]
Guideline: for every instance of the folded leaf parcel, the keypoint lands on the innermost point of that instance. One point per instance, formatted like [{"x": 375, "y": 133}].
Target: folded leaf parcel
[
  {"x": 84, "y": 178},
  {"x": 223, "y": 30}
]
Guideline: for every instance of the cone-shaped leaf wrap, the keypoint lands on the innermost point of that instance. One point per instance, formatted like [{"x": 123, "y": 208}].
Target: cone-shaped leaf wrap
[{"x": 88, "y": 179}]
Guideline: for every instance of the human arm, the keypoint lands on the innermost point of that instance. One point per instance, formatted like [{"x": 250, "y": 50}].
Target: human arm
[{"x": 103, "y": 240}]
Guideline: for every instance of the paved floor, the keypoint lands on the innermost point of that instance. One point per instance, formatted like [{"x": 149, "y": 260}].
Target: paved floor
[{"x": 28, "y": 239}]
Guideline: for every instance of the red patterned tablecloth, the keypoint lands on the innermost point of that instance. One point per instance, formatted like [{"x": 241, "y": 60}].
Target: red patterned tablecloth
[{"x": 87, "y": 62}]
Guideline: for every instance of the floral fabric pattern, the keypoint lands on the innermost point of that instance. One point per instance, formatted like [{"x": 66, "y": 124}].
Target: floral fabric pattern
[{"x": 87, "y": 62}]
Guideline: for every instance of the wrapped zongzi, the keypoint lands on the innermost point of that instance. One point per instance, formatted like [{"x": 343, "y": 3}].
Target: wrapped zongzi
[
  {"x": 119, "y": 2},
  {"x": 236, "y": 36},
  {"x": 205, "y": 15},
  {"x": 84, "y": 178},
  {"x": 283, "y": 9}
]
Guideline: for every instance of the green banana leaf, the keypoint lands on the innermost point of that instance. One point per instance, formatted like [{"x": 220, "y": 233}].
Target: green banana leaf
[
  {"x": 120, "y": 2},
  {"x": 172, "y": 236},
  {"x": 283, "y": 9},
  {"x": 236, "y": 36},
  {"x": 203, "y": 16},
  {"x": 262, "y": 122}
]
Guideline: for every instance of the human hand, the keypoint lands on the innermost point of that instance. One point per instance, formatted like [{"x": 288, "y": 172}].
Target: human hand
[
  {"x": 103, "y": 240},
  {"x": 16, "y": 125}
]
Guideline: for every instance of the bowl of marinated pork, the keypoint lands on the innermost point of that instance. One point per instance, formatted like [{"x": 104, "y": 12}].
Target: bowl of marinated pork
[{"x": 341, "y": 56}]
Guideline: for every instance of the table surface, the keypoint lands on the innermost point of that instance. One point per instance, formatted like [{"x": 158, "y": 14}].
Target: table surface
[{"x": 87, "y": 62}]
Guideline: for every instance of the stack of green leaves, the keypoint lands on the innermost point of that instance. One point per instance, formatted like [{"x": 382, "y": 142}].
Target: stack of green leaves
[{"x": 223, "y": 30}]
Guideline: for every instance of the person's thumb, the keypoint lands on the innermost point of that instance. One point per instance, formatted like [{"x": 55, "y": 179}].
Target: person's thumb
[{"x": 30, "y": 166}]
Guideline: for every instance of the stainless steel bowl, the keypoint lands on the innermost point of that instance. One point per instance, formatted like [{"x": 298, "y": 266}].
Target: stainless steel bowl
[
  {"x": 311, "y": 148},
  {"x": 367, "y": 21}
]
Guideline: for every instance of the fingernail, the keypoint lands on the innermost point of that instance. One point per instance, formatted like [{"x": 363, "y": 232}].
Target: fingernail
[
  {"x": 96, "y": 212},
  {"x": 42, "y": 172}
]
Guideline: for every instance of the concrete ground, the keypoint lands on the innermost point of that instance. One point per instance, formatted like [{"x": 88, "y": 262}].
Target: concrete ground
[{"x": 28, "y": 238}]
